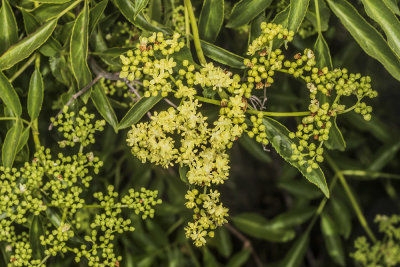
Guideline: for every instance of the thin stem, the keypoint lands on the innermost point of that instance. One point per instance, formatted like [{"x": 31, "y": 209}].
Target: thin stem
[
  {"x": 318, "y": 17},
  {"x": 246, "y": 243},
  {"x": 76, "y": 95},
  {"x": 44, "y": 260},
  {"x": 373, "y": 175},
  {"x": 35, "y": 133},
  {"x": 68, "y": 9},
  {"x": 352, "y": 199},
  {"x": 187, "y": 27},
  {"x": 14, "y": 119},
  {"x": 195, "y": 30},
  {"x": 23, "y": 68},
  {"x": 279, "y": 114}
]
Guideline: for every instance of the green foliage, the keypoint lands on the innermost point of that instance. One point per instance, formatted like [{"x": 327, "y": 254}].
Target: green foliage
[{"x": 209, "y": 105}]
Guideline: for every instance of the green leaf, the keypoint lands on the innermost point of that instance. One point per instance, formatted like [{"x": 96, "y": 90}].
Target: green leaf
[
  {"x": 9, "y": 149},
  {"x": 246, "y": 10},
  {"x": 280, "y": 140},
  {"x": 35, "y": 94},
  {"x": 240, "y": 258},
  {"x": 95, "y": 14},
  {"x": 103, "y": 106},
  {"x": 209, "y": 259},
  {"x": 138, "y": 111},
  {"x": 300, "y": 188},
  {"x": 322, "y": 54},
  {"x": 370, "y": 40},
  {"x": 9, "y": 96},
  {"x": 336, "y": 140},
  {"x": 332, "y": 240},
  {"x": 211, "y": 19},
  {"x": 46, "y": 12},
  {"x": 51, "y": 47},
  {"x": 51, "y": 1},
  {"x": 341, "y": 215},
  {"x": 297, "y": 12},
  {"x": 254, "y": 148},
  {"x": 282, "y": 17},
  {"x": 393, "y": 6},
  {"x": 79, "y": 48},
  {"x": 23, "y": 139},
  {"x": 8, "y": 29},
  {"x": 35, "y": 231},
  {"x": 182, "y": 174},
  {"x": 295, "y": 255},
  {"x": 390, "y": 24},
  {"x": 293, "y": 217},
  {"x": 27, "y": 46},
  {"x": 139, "y": 6},
  {"x": 222, "y": 56},
  {"x": 127, "y": 9},
  {"x": 155, "y": 10},
  {"x": 384, "y": 156},
  {"x": 255, "y": 27},
  {"x": 223, "y": 241},
  {"x": 258, "y": 227}
]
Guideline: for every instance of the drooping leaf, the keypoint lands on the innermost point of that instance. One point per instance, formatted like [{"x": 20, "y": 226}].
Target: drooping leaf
[
  {"x": 182, "y": 174},
  {"x": 341, "y": 216},
  {"x": 324, "y": 13},
  {"x": 9, "y": 149},
  {"x": 127, "y": 9},
  {"x": 370, "y": 40},
  {"x": 103, "y": 106},
  {"x": 297, "y": 12},
  {"x": 6, "y": 251},
  {"x": 209, "y": 259},
  {"x": 9, "y": 96},
  {"x": 240, "y": 258},
  {"x": 336, "y": 140},
  {"x": 138, "y": 111},
  {"x": 300, "y": 188},
  {"x": 27, "y": 46},
  {"x": 293, "y": 217},
  {"x": 52, "y": 1},
  {"x": 51, "y": 47},
  {"x": 332, "y": 240},
  {"x": 222, "y": 56},
  {"x": 8, "y": 29},
  {"x": 322, "y": 54},
  {"x": 280, "y": 140},
  {"x": 282, "y": 17},
  {"x": 246, "y": 10},
  {"x": 388, "y": 21},
  {"x": 35, "y": 94},
  {"x": 35, "y": 231},
  {"x": 79, "y": 48},
  {"x": 95, "y": 14},
  {"x": 258, "y": 227},
  {"x": 294, "y": 257},
  {"x": 211, "y": 19},
  {"x": 254, "y": 148},
  {"x": 384, "y": 156},
  {"x": 223, "y": 242}
]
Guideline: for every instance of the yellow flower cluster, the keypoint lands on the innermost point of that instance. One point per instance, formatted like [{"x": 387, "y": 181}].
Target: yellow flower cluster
[{"x": 208, "y": 214}]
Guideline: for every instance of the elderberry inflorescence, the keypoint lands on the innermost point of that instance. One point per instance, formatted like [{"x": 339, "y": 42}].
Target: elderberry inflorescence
[
  {"x": 47, "y": 193},
  {"x": 186, "y": 137}
]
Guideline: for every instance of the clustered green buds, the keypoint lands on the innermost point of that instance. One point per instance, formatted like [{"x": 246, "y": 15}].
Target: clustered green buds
[
  {"x": 47, "y": 193},
  {"x": 384, "y": 252},
  {"x": 77, "y": 129},
  {"x": 184, "y": 136}
]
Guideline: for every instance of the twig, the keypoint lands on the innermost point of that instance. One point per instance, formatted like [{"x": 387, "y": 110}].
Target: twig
[
  {"x": 170, "y": 103},
  {"x": 246, "y": 243},
  {"x": 76, "y": 95}
]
